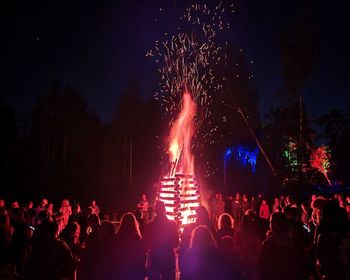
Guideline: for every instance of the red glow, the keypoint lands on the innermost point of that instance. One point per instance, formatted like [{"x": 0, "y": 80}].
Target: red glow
[
  {"x": 320, "y": 160},
  {"x": 180, "y": 138},
  {"x": 179, "y": 190}
]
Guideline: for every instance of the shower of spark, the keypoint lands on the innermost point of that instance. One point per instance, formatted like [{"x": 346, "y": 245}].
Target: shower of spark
[
  {"x": 188, "y": 58},
  {"x": 320, "y": 160}
]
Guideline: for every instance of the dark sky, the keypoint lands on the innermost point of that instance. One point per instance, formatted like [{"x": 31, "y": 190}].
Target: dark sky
[{"x": 97, "y": 47}]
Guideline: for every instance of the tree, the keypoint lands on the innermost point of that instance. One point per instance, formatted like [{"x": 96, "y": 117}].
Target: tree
[
  {"x": 132, "y": 150},
  {"x": 335, "y": 126},
  {"x": 66, "y": 146}
]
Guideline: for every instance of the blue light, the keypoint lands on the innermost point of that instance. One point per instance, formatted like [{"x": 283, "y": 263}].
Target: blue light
[
  {"x": 246, "y": 156},
  {"x": 228, "y": 153}
]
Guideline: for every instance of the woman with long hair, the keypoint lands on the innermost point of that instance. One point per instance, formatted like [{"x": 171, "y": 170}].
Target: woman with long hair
[
  {"x": 225, "y": 226},
  {"x": 203, "y": 260},
  {"x": 131, "y": 252}
]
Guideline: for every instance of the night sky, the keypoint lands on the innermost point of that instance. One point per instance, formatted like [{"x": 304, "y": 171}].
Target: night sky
[{"x": 98, "y": 47}]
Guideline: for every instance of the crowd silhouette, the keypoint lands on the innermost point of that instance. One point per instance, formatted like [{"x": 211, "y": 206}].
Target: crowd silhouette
[{"x": 236, "y": 237}]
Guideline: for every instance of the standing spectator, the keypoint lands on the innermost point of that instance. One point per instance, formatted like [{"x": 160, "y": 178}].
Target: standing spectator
[
  {"x": 76, "y": 212},
  {"x": 20, "y": 239},
  {"x": 71, "y": 235},
  {"x": 245, "y": 204},
  {"x": 203, "y": 260},
  {"x": 143, "y": 205},
  {"x": 218, "y": 208},
  {"x": 131, "y": 252},
  {"x": 228, "y": 204},
  {"x": 226, "y": 227},
  {"x": 161, "y": 238},
  {"x": 276, "y": 207},
  {"x": 93, "y": 227},
  {"x": 264, "y": 212},
  {"x": 237, "y": 209},
  {"x": 50, "y": 257},
  {"x": 282, "y": 201},
  {"x": 332, "y": 247},
  {"x": 6, "y": 232},
  {"x": 140, "y": 220},
  {"x": 95, "y": 207},
  {"x": 214, "y": 209},
  {"x": 42, "y": 206},
  {"x": 259, "y": 201},
  {"x": 248, "y": 242},
  {"x": 202, "y": 219},
  {"x": 280, "y": 258},
  {"x": 254, "y": 205},
  {"x": 98, "y": 260},
  {"x": 2, "y": 204},
  {"x": 50, "y": 209}
]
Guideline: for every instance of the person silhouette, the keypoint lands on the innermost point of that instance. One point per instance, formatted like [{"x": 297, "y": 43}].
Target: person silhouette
[{"x": 161, "y": 238}]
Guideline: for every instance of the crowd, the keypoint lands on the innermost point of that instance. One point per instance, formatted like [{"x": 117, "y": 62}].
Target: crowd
[{"x": 237, "y": 237}]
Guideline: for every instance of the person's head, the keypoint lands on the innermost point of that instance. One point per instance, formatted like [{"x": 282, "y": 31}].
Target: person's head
[
  {"x": 44, "y": 202},
  {"x": 202, "y": 215},
  {"x": 50, "y": 208},
  {"x": 49, "y": 229},
  {"x": 76, "y": 208},
  {"x": 313, "y": 197},
  {"x": 159, "y": 208},
  {"x": 220, "y": 196},
  {"x": 44, "y": 216},
  {"x": 278, "y": 223},
  {"x": 334, "y": 218},
  {"x": 4, "y": 218},
  {"x": 30, "y": 204},
  {"x": 94, "y": 221},
  {"x": 144, "y": 197},
  {"x": 263, "y": 202},
  {"x": 2, "y": 203},
  {"x": 225, "y": 221},
  {"x": 259, "y": 195},
  {"x": 65, "y": 203},
  {"x": 347, "y": 208},
  {"x": 247, "y": 222},
  {"x": 106, "y": 230},
  {"x": 237, "y": 196},
  {"x": 17, "y": 215},
  {"x": 129, "y": 226},
  {"x": 88, "y": 211},
  {"x": 289, "y": 199},
  {"x": 202, "y": 238},
  {"x": 15, "y": 204},
  {"x": 276, "y": 200},
  {"x": 72, "y": 232},
  {"x": 252, "y": 198},
  {"x": 93, "y": 203}
]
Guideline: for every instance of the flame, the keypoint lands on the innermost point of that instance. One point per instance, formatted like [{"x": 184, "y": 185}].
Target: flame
[{"x": 181, "y": 133}]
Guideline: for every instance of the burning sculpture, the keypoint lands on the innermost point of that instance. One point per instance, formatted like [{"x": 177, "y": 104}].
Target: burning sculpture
[{"x": 178, "y": 189}]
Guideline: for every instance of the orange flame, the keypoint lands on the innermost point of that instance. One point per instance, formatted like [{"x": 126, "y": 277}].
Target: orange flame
[{"x": 181, "y": 133}]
